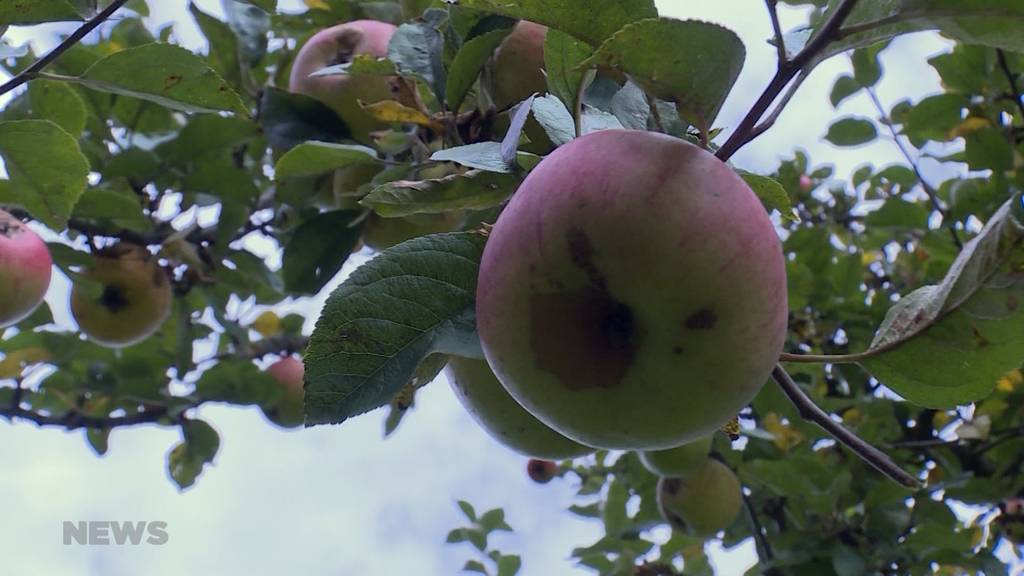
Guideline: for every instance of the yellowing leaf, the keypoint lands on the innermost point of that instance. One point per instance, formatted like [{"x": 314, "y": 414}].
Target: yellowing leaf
[
  {"x": 268, "y": 324},
  {"x": 12, "y": 365},
  {"x": 317, "y": 4},
  {"x": 393, "y": 111},
  {"x": 785, "y": 437},
  {"x": 1011, "y": 381},
  {"x": 970, "y": 125}
]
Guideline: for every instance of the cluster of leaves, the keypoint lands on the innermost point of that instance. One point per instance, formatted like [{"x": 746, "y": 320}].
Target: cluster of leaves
[{"x": 895, "y": 283}]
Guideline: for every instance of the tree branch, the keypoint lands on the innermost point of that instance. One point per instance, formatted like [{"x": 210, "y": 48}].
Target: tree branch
[
  {"x": 780, "y": 41},
  {"x": 75, "y": 37},
  {"x": 1018, "y": 98},
  {"x": 764, "y": 548},
  {"x": 813, "y": 413},
  {"x": 74, "y": 420},
  {"x": 786, "y": 72},
  {"x": 932, "y": 193}
]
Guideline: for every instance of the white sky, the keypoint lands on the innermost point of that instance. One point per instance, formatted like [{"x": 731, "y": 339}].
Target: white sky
[{"x": 340, "y": 500}]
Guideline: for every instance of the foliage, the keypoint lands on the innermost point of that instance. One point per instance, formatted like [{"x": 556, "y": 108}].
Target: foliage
[{"x": 905, "y": 294}]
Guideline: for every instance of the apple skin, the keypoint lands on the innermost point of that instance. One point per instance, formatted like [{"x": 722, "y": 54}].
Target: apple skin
[
  {"x": 288, "y": 411},
  {"x": 518, "y": 67},
  {"x": 25, "y": 269},
  {"x": 135, "y": 301},
  {"x": 338, "y": 45},
  {"x": 502, "y": 418},
  {"x": 541, "y": 471},
  {"x": 383, "y": 233},
  {"x": 701, "y": 504},
  {"x": 632, "y": 295},
  {"x": 679, "y": 461}
]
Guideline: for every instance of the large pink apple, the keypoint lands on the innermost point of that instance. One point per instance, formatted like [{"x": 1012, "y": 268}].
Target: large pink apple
[
  {"x": 25, "y": 268},
  {"x": 339, "y": 45},
  {"x": 632, "y": 295}
]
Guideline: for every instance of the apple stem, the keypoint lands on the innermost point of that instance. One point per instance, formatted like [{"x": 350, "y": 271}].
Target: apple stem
[
  {"x": 75, "y": 37},
  {"x": 813, "y": 413},
  {"x": 788, "y": 69}
]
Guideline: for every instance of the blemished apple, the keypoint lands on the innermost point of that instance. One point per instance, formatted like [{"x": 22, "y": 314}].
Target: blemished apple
[
  {"x": 541, "y": 471},
  {"x": 679, "y": 461},
  {"x": 703, "y": 503},
  {"x": 133, "y": 301},
  {"x": 518, "y": 67},
  {"x": 25, "y": 269},
  {"x": 502, "y": 418},
  {"x": 339, "y": 45},
  {"x": 632, "y": 295},
  {"x": 288, "y": 411}
]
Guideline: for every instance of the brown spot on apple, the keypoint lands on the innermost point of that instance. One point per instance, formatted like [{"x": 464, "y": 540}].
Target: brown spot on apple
[{"x": 703, "y": 319}]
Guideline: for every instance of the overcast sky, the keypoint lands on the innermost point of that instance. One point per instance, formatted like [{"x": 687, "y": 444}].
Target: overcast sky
[{"x": 340, "y": 500}]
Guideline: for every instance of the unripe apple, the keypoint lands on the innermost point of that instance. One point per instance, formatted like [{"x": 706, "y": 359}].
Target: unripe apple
[
  {"x": 806, "y": 184},
  {"x": 383, "y": 233},
  {"x": 25, "y": 267},
  {"x": 288, "y": 411},
  {"x": 502, "y": 418},
  {"x": 518, "y": 67},
  {"x": 339, "y": 45},
  {"x": 632, "y": 295},
  {"x": 134, "y": 300},
  {"x": 701, "y": 504},
  {"x": 541, "y": 471},
  {"x": 679, "y": 461}
]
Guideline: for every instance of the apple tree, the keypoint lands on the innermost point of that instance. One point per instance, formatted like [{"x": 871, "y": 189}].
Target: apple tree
[{"x": 828, "y": 365}]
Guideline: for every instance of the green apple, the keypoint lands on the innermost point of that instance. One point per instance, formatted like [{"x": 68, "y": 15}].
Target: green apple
[
  {"x": 632, "y": 295},
  {"x": 25, "y": 268},
  {"x": 679, "y": 461},
  {"x": 500, "y": 416},
  {"x": 133, "y": 301},
  {"x": 703, "y": 503}
]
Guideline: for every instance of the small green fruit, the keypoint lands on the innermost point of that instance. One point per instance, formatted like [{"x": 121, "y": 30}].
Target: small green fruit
[
  {"x": 703, "y": 503},
  {"x": 288, "y": 411},
  {"x": 501, "y": 417},
  {"x": 680, "y": 461},
  {"x": 134, "y": 299}
]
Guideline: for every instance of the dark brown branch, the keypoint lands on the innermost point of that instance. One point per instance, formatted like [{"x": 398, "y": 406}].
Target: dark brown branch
[
  {"x": 786, "y": 72},
  {"x": 764, "y": 547},
  {"x": 779, "y": 108},
  {"x": 780, "y": 41},
  {"x": 76, "y": 420},
  {"x": 813, "y": 413},
  {"x": 1018, "y": 97},
  {"x": 75, "y": 37},
  {"x": 933, "y": 194}
]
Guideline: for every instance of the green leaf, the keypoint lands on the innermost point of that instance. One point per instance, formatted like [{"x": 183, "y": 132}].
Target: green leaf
[
  {"x": 318, "y": 249},
  {"x": 237, "y": 381},
  {"x": 563, "y": 55},
  {"x": 59, "y": 103},
  {"x": 291, "y": 119},
  {"x": 98, "y": 439},
  {"x": 509, "y": 564},
  {"x": 948, "y": 344},
  {"x": 467, "y": 510},
  {"x": 584, "y": 19},
  {"x": 313, "y": 158},
  {"x": 694, "y": 64},
  {"x": 481, "y": 155},
  {"x": 851, "y": 131},
  {"x": 934, "y": 117},
  {"x": 772, "y": 194},
  {"x": 844, "y": 87},
  {"x": 899, "y": 214},
  {"x": 411, "y": 301},
  {"x": 989, "y": 149},
  {"x": 186, "y": 460},
  {"x": 361, "y": 65},
  {"x": 22, "y": 13},
  {"x": 165, "y": 74},
  {"x": 474, "y": 190},
  {"x": 554, "y": 118},
  {"x": 46, "y": 168},
  {"x": 224, "y": 50},
  {"x": 494, "y": 520},
  {"x": 613, "y": 511},
  {"x": 417, "y": 50},
  {"x": 113, "y": 203},
  {"x": 468, "y": 62},
  {"x": 993, "y": 23}
]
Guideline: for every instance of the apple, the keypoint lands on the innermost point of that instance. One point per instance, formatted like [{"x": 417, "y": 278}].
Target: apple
[
  {"x": 518, "y": 67},
  {"x": 703, "y": 503},
  {"x": 679, "y": 461},
  {"x": 383, "y": 233},
  {"x": 133, "y": 301},
  {"x": 288, "y": 411},
  {"x": 339, "y": 45},
  {"x": 25, "y": 268},
  {"x": 502, "y": 418},
  {"x": 541, "y": 471},
  {"x": 632, "y": 295},
  {"x": 806, "y": 183}
]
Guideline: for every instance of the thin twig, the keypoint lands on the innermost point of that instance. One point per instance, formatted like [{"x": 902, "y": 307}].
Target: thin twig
[
  {"x": 812, "y": 412},
  {"x": 786, "y": 72},
  {"x": 75, "y": 37},
  {"x": 824, "y": 358},
  {"x": 932, "y": 193},
  {"x": 780, "y": 40},
  {"x": 74, "y": 420},
  {"x": 1012, "y": 79},
  {"x": 780, "y": 107},
  {"x": 764, "y": 547}
]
